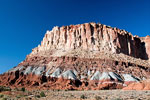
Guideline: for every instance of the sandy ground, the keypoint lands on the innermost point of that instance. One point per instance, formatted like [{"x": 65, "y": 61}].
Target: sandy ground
[
  {"x": 97, "y": 95},
  {"x": 78, "y": 95}
]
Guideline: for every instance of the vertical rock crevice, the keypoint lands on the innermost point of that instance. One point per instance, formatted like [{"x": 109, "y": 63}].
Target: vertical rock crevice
[{"x": 94, "y": 37}]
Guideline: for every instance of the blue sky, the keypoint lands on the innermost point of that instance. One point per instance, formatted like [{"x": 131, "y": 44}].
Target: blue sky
[{"x": 23, "y": 23}]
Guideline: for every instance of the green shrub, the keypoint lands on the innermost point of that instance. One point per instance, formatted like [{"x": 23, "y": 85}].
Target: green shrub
[
  {"x": 37, "y": 96},
  {"x": 118, "y": 99},
  {"x": 18, "y": 96},
  {"x": 29, "y": 93},
  {"x": 98, "y": 98},
  {"x": 71, "y": 95},
  {"x": 3, "y": 88},
  {"x": 4, "y": 99},
  {"x": 83, "y": 96},
  {"x": 42, "y": 94},
  {"x": 23, "y": 89},
  {"x": 1, "y": 95}
]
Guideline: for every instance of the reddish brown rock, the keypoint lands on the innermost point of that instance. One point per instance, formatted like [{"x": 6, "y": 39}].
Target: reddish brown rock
[
  {"x": 91, "y": 36},
  {"x": 143, "y": 85},
  {"x": 147, "y": 44},
  {"x": 83, "y": 57}
]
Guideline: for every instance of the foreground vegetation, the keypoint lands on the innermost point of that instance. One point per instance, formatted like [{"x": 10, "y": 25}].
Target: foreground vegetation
[{"x": 7, "y": 93}]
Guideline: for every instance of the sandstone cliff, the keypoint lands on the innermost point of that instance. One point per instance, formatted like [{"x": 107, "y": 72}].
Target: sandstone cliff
[
  {"x": 93, "y": 37},
  {"x": 84, "y": 56}
]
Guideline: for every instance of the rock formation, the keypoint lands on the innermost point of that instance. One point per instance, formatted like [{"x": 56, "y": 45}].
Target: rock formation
[
  {"x": 84, "y": 56},
  {"x": 147, "y": 45},
  {"x": 92, "y": 37},
  {"x": 143, "y": 85}
]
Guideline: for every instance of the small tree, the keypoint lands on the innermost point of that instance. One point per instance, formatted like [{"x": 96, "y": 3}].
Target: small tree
[
  {"x": 83, "y": 96},
  {"x": 42, "y": 94},
  {"x": 23, "y": 89},
  {"x": 1, "y": 95}
]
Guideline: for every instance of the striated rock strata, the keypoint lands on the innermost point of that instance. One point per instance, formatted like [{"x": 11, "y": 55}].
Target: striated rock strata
[
  {"x": 143, "y": 85},
  {"x": 92, "y": 37},
  {"x": 85, "y": 56}
]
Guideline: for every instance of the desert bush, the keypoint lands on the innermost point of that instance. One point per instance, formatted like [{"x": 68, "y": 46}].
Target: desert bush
[
  {"x": 1, "y": 95},
  {"x": 37, "y": 96},
  {"x": 3, "y": 88},
  {"x": 23, "y": 89},
  {"x": 16, "y": 89},
  {"x": 83, "y": 96},
  {"x": 18, "y": 96},
  {"x": 42, "y": 94},
  {"x": 4, "y": 99},
  {"x": 71, "y": 95},
  {"x": 57, "y": 90},
  {"x": 29, "y": 93},
  {"x": 118, "y": 99},
  {"x": 98, "y": 98}
]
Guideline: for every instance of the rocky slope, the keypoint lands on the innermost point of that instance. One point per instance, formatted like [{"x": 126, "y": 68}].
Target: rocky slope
[
  {"x": 84, "y": 56},
  {"x": 143, "y": 85}
]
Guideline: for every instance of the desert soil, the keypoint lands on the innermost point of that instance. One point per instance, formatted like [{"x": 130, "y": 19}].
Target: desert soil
[
  {"x": 78, "y": 95},
  {"x": 98, "y": 95}
]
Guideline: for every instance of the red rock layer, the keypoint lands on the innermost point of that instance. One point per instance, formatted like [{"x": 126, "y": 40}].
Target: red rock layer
[
  {"x": 42, "y": 82},
  {"x": 82, "y": 64},
  {"x": 143, "y": 85},
  {"x": 18, "y": 78}
]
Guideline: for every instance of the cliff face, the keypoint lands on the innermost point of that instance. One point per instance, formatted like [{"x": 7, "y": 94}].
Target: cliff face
[
  {"x": 147, "y": 45},
  {"x": 84, "y": 56},
  {"x": 92, "y": 37}
]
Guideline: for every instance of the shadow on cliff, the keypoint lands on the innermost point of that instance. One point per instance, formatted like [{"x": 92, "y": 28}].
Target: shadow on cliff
[
  {"x": 132, "y": 46},
  {"x": 144, "y": 51}
]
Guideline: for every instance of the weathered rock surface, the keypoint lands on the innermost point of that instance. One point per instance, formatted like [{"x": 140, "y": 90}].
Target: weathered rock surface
[
  {"x": 147, "y": 45},
  {"x": 143, "y": 85},
  {"x": 92, "y": 37},
  {"x": 84, "y": 56}
]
